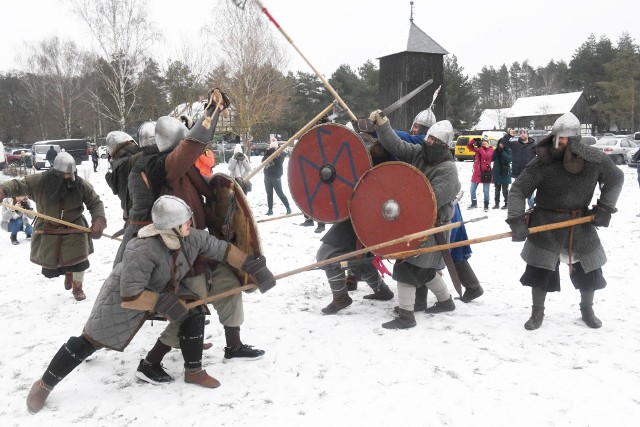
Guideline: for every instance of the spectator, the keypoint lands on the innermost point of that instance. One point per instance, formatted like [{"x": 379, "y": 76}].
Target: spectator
[
  {"x": 636, "y": 159},
  {"x": 272, "y": 174},
  {"x": 14, "y": 220},
  {"x": 51, "y": 155},
  {"x": 522, "y": 151},
  {"x": 481, "y": 169},
  {"x": 501, "y": 173},
  {"x": 308, "y": 222},
  {"x": 239, "y": 167},
  {"x": 95, "y": 158}
]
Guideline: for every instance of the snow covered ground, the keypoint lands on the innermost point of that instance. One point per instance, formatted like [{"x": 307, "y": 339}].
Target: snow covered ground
[{"x": 476, "y": 366}]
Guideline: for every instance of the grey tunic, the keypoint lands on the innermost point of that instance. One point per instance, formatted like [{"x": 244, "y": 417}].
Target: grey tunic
[
  {"x": 146, "y": 265},
  {"x": 444, "y": 181},
  {"x": 560, "y": 190}
]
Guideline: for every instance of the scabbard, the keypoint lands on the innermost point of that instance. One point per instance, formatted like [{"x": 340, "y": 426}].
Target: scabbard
[
  {"x": 61, "y": 231},
  {"x": 448, "y": 260}
]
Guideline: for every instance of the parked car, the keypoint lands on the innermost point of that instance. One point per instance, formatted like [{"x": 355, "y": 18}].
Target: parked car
[
  {"x": 259, "y": 148},
  {"x": 588, "y": 140},
  {"x": 630, "y": 154},
  {"x": 19, "y": 157},
  {"x": 616, "y": 148},
  {"x": 78, "y": 148},
  {"x": 462, "y": 152},
  {"x": 102, "y": 152}
]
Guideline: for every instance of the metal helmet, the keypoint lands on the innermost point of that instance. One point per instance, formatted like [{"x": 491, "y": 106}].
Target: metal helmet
[
  {"x": 169, "y": 132},
  {"x": 567, "y": 125},
  {"x": 425, "y": 118},
  {"x": 170, "y": 212},
  {"x": 442, "y": 131},
  {"x": 65, "y": 163},
  {"x": 116, "y": 138},
  {"x": 147, "y": 134}
]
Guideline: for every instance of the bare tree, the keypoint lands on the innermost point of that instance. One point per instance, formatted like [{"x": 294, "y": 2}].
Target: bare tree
[
  {"x": 252, "y": 61},
  {"x": 123, "y": 34}
]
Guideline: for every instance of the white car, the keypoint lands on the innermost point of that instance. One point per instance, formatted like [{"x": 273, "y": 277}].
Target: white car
[{"x": 616, "y": 148}]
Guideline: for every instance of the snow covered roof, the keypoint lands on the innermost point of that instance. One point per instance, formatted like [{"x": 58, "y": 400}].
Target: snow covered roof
[
  {"x": 493, "y": 119},
  {"x": 559, "y": 103},
  {"x": 193, "y": 109},
  {"x": 419, "y": 41}
]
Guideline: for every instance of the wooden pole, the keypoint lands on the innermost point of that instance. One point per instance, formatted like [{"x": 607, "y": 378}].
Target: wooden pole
[
  {"x": 408, "y": 238},
  {"x": 52, "y": 219},
  {"x": 279, "y": 217},
  {"x": 532, "y": 230},
  {"x": 324, "y": 81},
  {"x": 288, "y": 143}
]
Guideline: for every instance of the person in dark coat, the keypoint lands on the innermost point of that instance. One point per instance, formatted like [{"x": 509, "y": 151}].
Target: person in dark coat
[
  {"x": 147, "y": 281},
  {"x": 501, "y": 173},
  {"x": 564, "y": 174},
  {"x": 95, "y": 158},
  {"x": 51, "y": 155},
  {"x": 61, "y": 193},
  {"x": 522, "y": 152},
  {"x": 272, "y": 177}
]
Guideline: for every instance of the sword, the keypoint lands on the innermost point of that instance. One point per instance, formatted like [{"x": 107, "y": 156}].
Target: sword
[{"x": 365, "y": 125}]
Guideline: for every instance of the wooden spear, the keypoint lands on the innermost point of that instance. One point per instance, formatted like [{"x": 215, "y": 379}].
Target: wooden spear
[
  {"x": 408, "y": 238},
  {"x": 52, "y": 219},
  {"x": 532, "y": 230},
  {"x": 288, "y": 143}
]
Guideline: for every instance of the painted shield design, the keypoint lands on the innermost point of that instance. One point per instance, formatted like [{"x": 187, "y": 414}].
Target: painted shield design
[
  {"x": 324, "y": 168},
  {"x": 235, "y": 222},
  {"x": 392, "y": 200}
]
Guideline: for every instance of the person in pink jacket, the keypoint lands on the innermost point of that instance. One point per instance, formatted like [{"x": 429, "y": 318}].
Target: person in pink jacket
[{"x": 481, "y": 170}]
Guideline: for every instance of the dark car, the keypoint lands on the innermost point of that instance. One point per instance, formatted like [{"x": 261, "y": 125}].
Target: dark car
[
  {"x": 259, "y": 148},
  {"x": 19, "y": 157}
]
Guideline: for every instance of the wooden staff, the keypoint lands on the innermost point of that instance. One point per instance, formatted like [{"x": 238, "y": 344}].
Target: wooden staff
[
  {"x": 532, "y": 230},
  {"x": 52, "y": 219},
  {"x": 288, "y": 143},
  {"x": 280, "y": 217},
  {"x": 405, "y": 239},
  {"x": 324, "y": 81}
]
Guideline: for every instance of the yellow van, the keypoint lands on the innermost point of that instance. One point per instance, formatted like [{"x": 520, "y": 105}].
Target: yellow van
[{"x": 461, "y": 150}]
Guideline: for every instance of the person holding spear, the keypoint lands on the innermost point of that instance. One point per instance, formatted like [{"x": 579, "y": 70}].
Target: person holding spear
[
  {"x": 564, "y": 175},
  {"x": 61, "y": 194}
]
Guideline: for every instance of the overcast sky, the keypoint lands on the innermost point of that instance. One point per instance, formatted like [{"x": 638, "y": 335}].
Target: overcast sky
[{"x": 335, "y": 32}]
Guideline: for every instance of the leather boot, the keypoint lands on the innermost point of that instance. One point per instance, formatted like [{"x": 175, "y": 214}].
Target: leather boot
[
  {"x": 586, "y": 308},
  {"x": 201, "y": 377},
  {"x": 535, "y": 321},
  {"x": 469, "y": 280},
  {"x": 68, "y": 278},
  {"x": 590, "y": 318},
  {"x": 405, "y": 320},
  {"x": 486, "y": 206},
  {"x": 441, "y": 306},
  {"x": 37, "y": 396},
  {"x": 381, "y": 293},
  {"x": 77, "y": 292},
  {"x": 339, "y": 302},
  {"x": 473, "y": 205}
]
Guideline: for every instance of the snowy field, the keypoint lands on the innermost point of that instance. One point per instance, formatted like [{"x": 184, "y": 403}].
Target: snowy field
[{"x": 476, "y": 366}]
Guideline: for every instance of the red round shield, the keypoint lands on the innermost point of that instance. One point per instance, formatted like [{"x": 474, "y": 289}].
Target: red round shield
[
  {"x": 324, "y": 168},
  {"x": 392, "y": 200}
]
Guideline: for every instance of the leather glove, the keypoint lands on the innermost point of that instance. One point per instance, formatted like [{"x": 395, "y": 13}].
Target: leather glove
[
  {"x": 377, "y": 119},
  {"x": 601, "y": 214},
  {"x": 519, "y": 228},
  {"x": 97, "y": 227},
  {"x": 171, "y": 307},
  {"x": 257, "y": 268}
]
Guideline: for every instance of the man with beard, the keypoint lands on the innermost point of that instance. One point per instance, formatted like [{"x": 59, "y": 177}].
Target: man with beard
[
  {"x": 564, "y": 175},
  {"x": 61, "y": 193},
  {"x": 433, "y": 158}
]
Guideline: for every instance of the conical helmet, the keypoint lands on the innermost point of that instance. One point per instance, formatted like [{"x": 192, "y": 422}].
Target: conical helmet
[
  {"x": 65, "y": 163},
  {"x": 442, "y": 131},
  {"x": 567, "y": 125},
  {"x": 147, "y": 134},
  {"x": 116, "y": 138},
  {"x": 169, "y": 132},
  {"x": 170, "y": 212}
]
